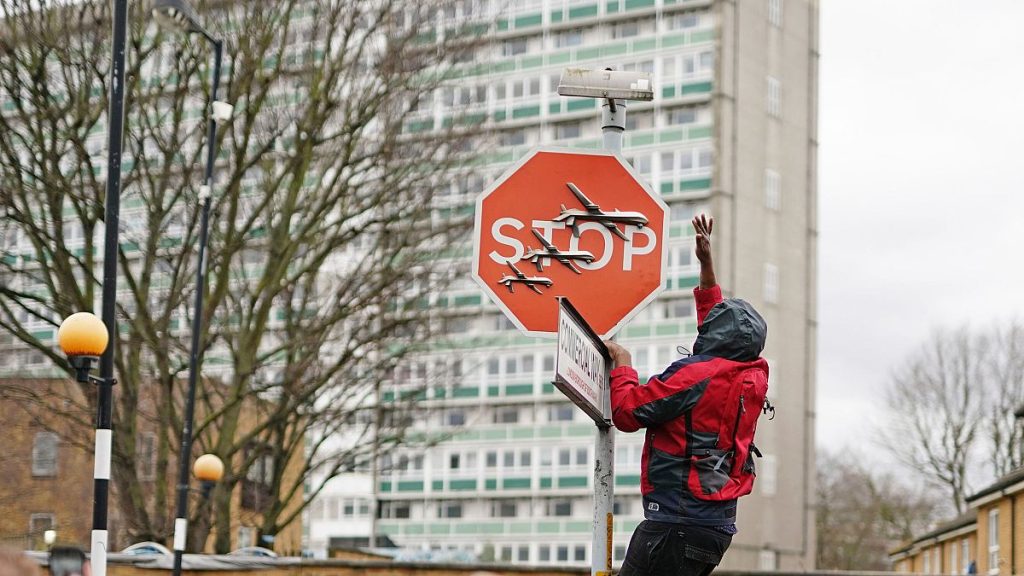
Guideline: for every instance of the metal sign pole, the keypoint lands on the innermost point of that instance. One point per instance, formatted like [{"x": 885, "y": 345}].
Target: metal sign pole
[{"x": 613, "y": 124}]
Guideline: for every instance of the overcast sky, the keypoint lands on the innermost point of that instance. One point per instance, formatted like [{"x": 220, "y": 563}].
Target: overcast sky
[{"x": 921, "y": 187}]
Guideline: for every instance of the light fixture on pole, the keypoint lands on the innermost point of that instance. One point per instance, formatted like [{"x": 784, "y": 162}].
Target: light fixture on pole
[
  {"x": 84, "y": 338},
  {"x": 208, "y": 469},
  {"x": 178, "y": 16},
  {"x": 614, "y": 87}
]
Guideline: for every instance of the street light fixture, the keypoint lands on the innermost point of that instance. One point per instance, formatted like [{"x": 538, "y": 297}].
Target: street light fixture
[
  {"x": 208, "y": 469},
  {"x": 178, "y": 16},
  {"x": 84, "y": 338}
]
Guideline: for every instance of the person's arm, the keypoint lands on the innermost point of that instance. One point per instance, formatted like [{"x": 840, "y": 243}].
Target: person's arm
[
  {"x": 702, "y": 225},
  {"x": 635, "y": 406},
  {"x": 708, "y": 293}
]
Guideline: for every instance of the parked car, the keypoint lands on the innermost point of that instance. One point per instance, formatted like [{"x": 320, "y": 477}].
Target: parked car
[{"x": 147, "y": 549}]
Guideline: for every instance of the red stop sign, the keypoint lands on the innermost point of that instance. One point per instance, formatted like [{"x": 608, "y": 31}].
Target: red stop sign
[{"x": 570, "y": 223}]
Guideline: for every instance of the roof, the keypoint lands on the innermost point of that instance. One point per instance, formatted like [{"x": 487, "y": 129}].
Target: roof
[
  {"x": 963, "y": 521},
  {"x": 1000, "y": 484}
]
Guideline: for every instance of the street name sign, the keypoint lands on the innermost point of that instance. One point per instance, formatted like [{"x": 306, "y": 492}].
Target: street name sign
[{"x": 582, "y": 364}]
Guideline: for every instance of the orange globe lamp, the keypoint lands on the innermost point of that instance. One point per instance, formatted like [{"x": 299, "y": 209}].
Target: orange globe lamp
[
  {"x": 208, "y": 468},
  {"x": 84, "y": 338}
]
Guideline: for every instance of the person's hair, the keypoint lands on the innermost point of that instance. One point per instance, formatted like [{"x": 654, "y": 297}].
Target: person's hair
[
  {"x": 14, "y": 563},
  {"x": 66, "y": 561}
]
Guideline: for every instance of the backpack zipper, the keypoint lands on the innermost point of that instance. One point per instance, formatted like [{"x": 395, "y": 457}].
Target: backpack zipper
[{"x": 736, "y": 427}]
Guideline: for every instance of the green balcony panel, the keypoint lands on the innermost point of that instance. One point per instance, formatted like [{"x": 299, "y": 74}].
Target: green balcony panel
[
  {"x": 637, "y": 332},
  {"x": 554, "y": 108},
  {"x": 615, "y": 50},
  {"x": 641, "y": 139},
  {"x": 499, "y": 115},
  {"x": 529, "y": 20},
  {"x": 627, "y": 479},
  {"x": 469, "y": 300},
  {"x": 437, "y": 485},
  {"x": 385, "y": 486},
  {"x": 668, "y": 92},
  {"x": 687, "y": 281},
  {"x": 410, "y": 486},
  {"x": 465, "y": 484},
  {"x": 440, "y": 528},
  {"x": 580, "y": 104},
  {"x": 522, "y": 433},
  {"x": 466, "y": 435},
  {"x": 550, "y": 432},
  {"x": 559, "y": 58},
  {"x": 388, "y": 397},
  {"x": 667, "y": 188},
  {"x": 502, "y": 24},
  {"x": 515, "y": 483},
  {"x": 671, "y": 136},
  {"x": 698, "y": 184},
  {"x": 578, "y": 527},
  {"x": 518, "y": 389},
  {"x": 588, "y": 53},
  {"x": 531, "y": 62},
  {"x": 572, "y": 482},
  {"x": 547, "y": 388},
  {"x": 667, "y": 330},
  {"x": 42, "y": 334},
  {"x": 415, "y": 529},
  {"x": 548, "y": 527},
  {"x": 506, "y": 66},
  {"x": 545, "y": 482},
  {"x": 639, "y": 4},
  {"x": 612, "y": 7},
  {"x": 389, "y": 528},
  {"x": 493, "y": 434},
  {"x": 491, "y": 484},
  {"x": 701, "y": 36},
  {"x": 583, "y": 11},
  {"x": 494, "y": 391},
  {"x": 520, "y": 528},
  {"x": 673, "y": 40},
  {"x": 440, "y": 392},
  {"x": 526, "y": 112},
  {"x": 581, "y": 429},
  {"x": 556, "y": 16},
  {"x": 699, "y": 132},
  {"x": 696, "y": 88},
  {"x": 465, "y": 392}
]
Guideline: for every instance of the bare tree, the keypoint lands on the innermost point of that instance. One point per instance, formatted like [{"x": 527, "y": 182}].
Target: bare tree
[
  {"x": 328, "y": 241},
  {"x": 1005, "y": 385},
  {"x": 863, "y": 511},
  {"x": 936, "y": 402}
]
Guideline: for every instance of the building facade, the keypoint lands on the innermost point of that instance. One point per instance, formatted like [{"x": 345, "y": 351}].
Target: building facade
[{"x": 732, "y": 132}]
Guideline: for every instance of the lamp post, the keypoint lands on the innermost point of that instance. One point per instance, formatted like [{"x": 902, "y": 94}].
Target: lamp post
[
  {"x": 208, "y": 469},
  {"x": 178, "y": 16},
  {"x": 84, "y": 338}
]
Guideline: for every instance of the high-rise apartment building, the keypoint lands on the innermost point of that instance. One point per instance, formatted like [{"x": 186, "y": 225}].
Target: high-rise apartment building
[{"x": 732, "y": 132}]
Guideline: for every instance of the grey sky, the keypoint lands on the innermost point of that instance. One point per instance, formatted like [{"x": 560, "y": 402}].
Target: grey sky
[{"x": 921, "y": 187}]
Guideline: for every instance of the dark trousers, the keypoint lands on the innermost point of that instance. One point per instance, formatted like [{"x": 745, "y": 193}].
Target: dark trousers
[{"x": 663, "y": 549}]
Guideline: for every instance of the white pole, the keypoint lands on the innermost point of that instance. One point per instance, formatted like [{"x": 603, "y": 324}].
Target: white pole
[{"x": 613, "y": 124}]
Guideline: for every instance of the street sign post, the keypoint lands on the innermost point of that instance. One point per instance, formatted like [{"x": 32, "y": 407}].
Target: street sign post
[{"x": 581, "y": 365}]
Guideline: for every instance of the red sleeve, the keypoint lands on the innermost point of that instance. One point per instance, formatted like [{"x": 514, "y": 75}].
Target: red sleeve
[
  {"x": 635, "y": 406},
  {"x": 706, "y": 300}
]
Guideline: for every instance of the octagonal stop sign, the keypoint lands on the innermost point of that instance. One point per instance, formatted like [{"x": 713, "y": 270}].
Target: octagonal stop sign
[{"x": 572, "y": 223}]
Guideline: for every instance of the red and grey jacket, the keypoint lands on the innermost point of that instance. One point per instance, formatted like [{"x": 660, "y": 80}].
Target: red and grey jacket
[{"x": 700, "y": 415}]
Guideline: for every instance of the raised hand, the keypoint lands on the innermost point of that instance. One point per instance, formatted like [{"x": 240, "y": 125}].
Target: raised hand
[{"x": 703, "y": 225}]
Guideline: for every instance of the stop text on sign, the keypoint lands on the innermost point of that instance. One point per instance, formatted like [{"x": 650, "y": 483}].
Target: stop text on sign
[{"x": 639, "y": 241}]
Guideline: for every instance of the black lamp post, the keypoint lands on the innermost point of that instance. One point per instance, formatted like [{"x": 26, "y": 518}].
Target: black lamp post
[{"x": 178, "y": 15}]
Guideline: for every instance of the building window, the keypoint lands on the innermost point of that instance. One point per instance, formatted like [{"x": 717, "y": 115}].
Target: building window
[
  {"x": 40, "y": 522},
  {"x": 491, "y": 459},
  {"x": 503, "y": 509},
  {"x": 620, "y": 553},
  {"x": 772, "y": 190},
  {"x": 569, "y": 38},
  {"x": 771, "y": 283},
  {"x": 44, "y": 454},
  {"x": 965, "y": 553},
  {"x": 560, "y": 413},
  {"x": 579, "y": 553},
  {"x": 563, "y": 554},
  {"x": 514, "y": 47},
  {"x": 767, "y": 476},
  {"x": 523, "y": 554},
  {"x": 993, "y": 541},
  {"x": 560, "y": 508},
  {"x": 455, "y": 418},
  {"x": 775, "y": 12},
  {"x": 257, "y": 486},
  {"x": 506, "y": 415},
  {"x": 927, "y": 561},
  {"x": 566, "y": 130},
  {"x": 682, "y": 116},
  {"x": 544, "y": 553},
  {"x": 774, "y": 103},
  {"x": 768, "y": 560},
  {"x": 449, "y": 510}
]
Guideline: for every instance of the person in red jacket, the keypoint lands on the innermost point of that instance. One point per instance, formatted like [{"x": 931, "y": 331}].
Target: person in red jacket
[{"x": 698, "y": 452}]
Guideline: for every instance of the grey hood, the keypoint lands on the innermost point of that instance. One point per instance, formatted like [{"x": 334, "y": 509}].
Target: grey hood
[{"x": 732, "y": 330}]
